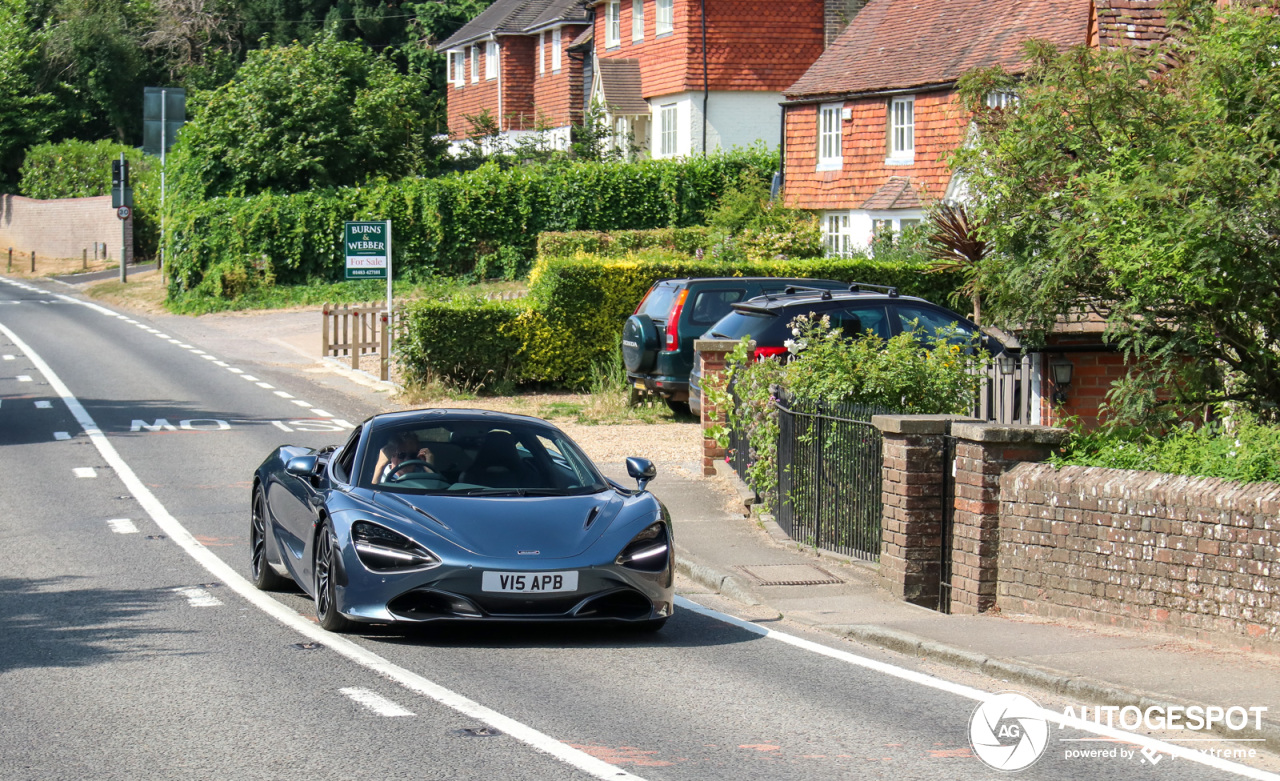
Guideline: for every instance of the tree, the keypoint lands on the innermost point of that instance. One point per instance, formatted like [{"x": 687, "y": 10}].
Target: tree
[
  {"x": 295, "y": 117},
  {"x": 1145, "y": 186},
  {"x": 26, "y": 115}
]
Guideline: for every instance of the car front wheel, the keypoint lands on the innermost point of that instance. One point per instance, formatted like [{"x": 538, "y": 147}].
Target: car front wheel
[
  {"x": 326, "y": 587},
  {"x": 264, "y": 577}
]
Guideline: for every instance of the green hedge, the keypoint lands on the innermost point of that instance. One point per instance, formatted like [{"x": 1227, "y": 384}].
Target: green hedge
[
  {"x": 576, "y": 307},
  {"x": 614, "y": 244},
  {"x": 82, "y": 169},
  {"x": 467, "y": 340},
  {"x": 445, "y": 226}
]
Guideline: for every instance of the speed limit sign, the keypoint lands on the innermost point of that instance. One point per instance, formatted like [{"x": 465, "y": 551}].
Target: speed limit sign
[{"x": 123, "y": 212}]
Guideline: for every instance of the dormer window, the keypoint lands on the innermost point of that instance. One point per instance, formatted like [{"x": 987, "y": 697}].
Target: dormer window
[
  {"x": 612, "y": 24},
  {"x": 902, "y": 131}
]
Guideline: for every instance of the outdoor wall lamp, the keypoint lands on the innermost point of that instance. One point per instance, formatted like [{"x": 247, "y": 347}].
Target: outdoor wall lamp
[
  {"x": 1061, "y": 379},
  {"x": 1006, "y": 364}
]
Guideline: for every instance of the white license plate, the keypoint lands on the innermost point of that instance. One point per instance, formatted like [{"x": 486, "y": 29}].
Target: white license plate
[
  {"x": 529, "y": 582},
  {"x": 639, "y": 385}
]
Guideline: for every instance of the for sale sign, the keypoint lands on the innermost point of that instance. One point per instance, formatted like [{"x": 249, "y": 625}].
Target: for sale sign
[{"x": 365, "y": 245}]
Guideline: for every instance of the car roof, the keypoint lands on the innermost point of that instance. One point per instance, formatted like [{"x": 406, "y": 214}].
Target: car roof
[
  {"x": 692, "y": 280},
  {"x": 437, "y": 415},
  {"x": 809, "y": 298}
]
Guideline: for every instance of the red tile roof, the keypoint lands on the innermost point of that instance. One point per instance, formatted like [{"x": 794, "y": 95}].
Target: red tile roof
[
  {"x": 620, "y": 84},
  {"x": 897, "y": 193},
  {"x": 902, "y": 44}
]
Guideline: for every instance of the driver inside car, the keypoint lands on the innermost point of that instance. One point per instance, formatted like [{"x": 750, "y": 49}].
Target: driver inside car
[{"x": 403, "y": 454}]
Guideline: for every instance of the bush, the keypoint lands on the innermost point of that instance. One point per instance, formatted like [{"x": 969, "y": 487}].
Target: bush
[
  {"x": 465, "y": 341},
  {"x": 576, "y": 306},
  {"x": 1246, "y": 450},
  {"x": 82, "y": 169},
  {"x": 445, "y": 226},
  {"x": 614, "y": 244}
]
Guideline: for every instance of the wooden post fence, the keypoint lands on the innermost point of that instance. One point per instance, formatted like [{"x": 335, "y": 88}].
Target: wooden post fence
[{"x": 354, "y": 330}]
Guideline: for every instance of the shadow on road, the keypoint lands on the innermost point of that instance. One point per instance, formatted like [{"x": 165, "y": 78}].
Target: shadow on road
[{"x": 48, "y": 622}]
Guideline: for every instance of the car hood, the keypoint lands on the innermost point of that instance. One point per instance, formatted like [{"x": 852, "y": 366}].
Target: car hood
[{"x": 556, "y": 527}]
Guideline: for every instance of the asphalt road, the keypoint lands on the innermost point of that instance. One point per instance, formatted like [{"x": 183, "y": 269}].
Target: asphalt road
[{"x": 130, "y": 648}]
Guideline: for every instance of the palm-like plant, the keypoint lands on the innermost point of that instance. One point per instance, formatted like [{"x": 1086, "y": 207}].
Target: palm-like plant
[{"x": 953, "y": 245}]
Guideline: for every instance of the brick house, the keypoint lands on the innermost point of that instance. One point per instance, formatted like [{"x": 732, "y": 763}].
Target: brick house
[
  {"x": 514, "y": 61},
  {"x": 870, "y": 124},
  {"x": 678, "y": 77}
]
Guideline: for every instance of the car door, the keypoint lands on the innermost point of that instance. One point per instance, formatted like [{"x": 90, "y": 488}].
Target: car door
[{"x": 858, "y": 321}]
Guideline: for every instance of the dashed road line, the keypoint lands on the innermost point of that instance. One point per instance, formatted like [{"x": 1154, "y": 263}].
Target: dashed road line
[
  {"x": 319, "y": 413},
  {"x": 284, "y": 394},
  {"x": 24, "y": 378},
  {"x": 248, "y": 377},
  {"x": 122, "y": 526},
  {"x": 234, "y": 370},
  {"x": 61, "y": 435},
  {"x": 376, "y": 702},
  {"x": 85, "y": 471},
  {"x": 198, "y": 597},
  {"x": 266, "y": 385},
  {"x": 44, "y": 405},
  {"x": 8, "y": 357}
]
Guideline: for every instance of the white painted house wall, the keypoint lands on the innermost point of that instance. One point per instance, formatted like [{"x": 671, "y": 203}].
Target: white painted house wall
[{"x": 736, "y": 119}]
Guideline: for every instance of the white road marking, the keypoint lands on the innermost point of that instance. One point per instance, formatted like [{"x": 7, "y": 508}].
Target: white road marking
[
  {"x": 266, "y": 385},
  {"x": 223, "y": 364},
  {"x": 184, "y": 346},
  {"x": 234, "y": 370},
  {"x": 44, "y": 404},
  {"x": 162, "y": 336},
  {"x": 968, "y": 692},
  {"x": 122, "y": 526},
  {"x": 319, "y": 413},
  {"x": 236, "y": 582},
  {"x": 197, "y": 352},
  {"x": 61, "y": 435},
  {"x": 376, "y": 702},
  {"x": 248, "y": 377},
  {"x": 85, "y": 471},
  {"x": 8, "y": 357},
  {"x": 131, "y": 322},
  {"x": 209, "y": 357},
  {"x": 302, "y": 403},
  {"x": 198, "y": 597},
  {"x": 284, "y": 395},
  {"x": 174, "y": 341},
  {"x": 24, "y": 378}
]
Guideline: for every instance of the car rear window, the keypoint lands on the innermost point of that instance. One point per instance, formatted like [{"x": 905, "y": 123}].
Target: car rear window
[
  {"x": 711, "y": 305},
  {"x": 657, "y": 304},
  {"x": 736, "y": 325}
]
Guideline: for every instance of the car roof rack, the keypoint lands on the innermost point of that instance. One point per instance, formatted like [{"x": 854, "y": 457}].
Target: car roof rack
[
  {"x": 857, "y": 287},
  {"x": 791, "y": 290}
]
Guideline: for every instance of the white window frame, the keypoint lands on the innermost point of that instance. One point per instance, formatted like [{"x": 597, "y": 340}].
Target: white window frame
[
  {"x": 451, "y": 65},
  {"x": 664, "y": 17},
  {"x": 458, "y": 64},
  {"x": 893, "y": 221},
  {"x": 1002, "y": 99},
  {"x": 837, "y": 239},
  {"x": 830, "y": 137},
  {"x": 612, "y": 24},
  {"x": 490, "y": 60},
  {"x": 542, "y": 54},
  {"x": 555, "y": 50},
  {"x": 475, "y": 65},
  {"x": 902, "y": 131},
  {"x": 637, "y": 20},
  {"x": 669, "y": 130}
]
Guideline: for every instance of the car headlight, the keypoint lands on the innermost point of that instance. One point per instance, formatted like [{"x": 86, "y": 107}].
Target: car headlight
[
  {"x": 648, "y": 551},
  {"x": 383, "y": 550}
]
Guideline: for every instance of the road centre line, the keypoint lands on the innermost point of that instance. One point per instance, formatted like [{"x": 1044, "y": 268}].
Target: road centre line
[
  {"x": 248, "y": 377},
  {"x": 410, "y": 680},
  {"x": 302, "y": 403},
  {"x": 266, "y": 385},
  {"x": 24, "y": 378},
  {"x": 122, "y": 526},
  {"x": 84, "y": 471},
  {"x": 61, "y": 435},
  {"x": 234, "y": 370},
  {"x": 284, "y": 394},
  {"x": 319, "y": 413},
  {"x": 968, "y": 692},
  {"x": 44, "y": 405},
  {"x": 376, "y": 702},
  {"x": 8, "y": 357}
]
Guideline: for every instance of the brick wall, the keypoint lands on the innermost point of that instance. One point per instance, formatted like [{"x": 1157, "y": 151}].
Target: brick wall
[
  {"x": 940, "y": 125},
  {"x": 471, "y": 99},
  {"x": 519, "y": 69},
  {"x": 61, "y": 228},
  {"x": 1187, "y": 555},
  {"x": 752, "y": 45},
  {"x": 837, "y": 16},
  {"x": 1137, "y": 23}
]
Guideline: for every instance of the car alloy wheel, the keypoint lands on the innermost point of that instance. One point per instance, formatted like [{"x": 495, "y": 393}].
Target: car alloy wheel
[
  {"x": 264, "y": 577},
  {"x": 326, "y": 588}
]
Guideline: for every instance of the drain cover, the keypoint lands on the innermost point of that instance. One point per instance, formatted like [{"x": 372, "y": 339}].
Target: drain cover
[
  {"x": 788, "y": 574},
  {"x": 477, "y": 732}
]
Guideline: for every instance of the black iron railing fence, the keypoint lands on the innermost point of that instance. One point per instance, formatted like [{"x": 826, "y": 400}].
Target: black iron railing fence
[{"x": 829, "y": 460}]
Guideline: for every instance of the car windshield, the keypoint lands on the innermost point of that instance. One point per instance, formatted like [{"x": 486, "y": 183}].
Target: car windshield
[{"x": 477, "y": 458}]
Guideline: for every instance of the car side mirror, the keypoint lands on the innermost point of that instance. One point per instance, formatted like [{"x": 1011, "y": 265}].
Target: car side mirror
[
  {"x": 642, "y": 471},
  {"x": 302, "y": 466}
]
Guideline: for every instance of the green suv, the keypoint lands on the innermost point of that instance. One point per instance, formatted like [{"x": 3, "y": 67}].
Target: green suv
[{"x": 657, "y": 341}]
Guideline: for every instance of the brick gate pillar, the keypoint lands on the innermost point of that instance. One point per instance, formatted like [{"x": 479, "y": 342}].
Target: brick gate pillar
[
  {"x": 711, "y": 355},
  {"x": 984, "y": 452},
  {"x": 911, "y": 494}
]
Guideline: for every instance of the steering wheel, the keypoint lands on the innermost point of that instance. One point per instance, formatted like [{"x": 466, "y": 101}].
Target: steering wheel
[{"x": 391, "y": 476}]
